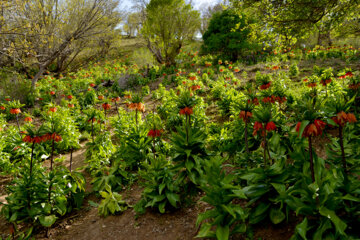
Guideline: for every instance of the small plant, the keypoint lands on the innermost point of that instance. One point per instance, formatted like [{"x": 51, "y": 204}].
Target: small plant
[{"x": 111, "y": 203}]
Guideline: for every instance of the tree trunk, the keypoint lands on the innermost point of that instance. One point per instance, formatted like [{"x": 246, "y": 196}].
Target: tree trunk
[{"x": 37, "y": 76}]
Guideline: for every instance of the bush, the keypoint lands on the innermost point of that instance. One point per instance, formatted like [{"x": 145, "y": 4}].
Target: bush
[{"x": 221, "y": 37}]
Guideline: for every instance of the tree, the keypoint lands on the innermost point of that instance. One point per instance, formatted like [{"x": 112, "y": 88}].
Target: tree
[
  {"x": 41, "y": 32},
  {"x": 168, "y": 25},
  {"x": 133, "y": 23},
  {"x": 300, "y": 18},
  {"x": 227, "y": 34}
]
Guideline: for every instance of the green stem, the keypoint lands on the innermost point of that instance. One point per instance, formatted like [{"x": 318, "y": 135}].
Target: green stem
[
  {"x": 341, "y": 141},
  {"x": 265, "y": 147},
  {"x": 311, "y": 160},
  {"x": 246, "y": 136}
]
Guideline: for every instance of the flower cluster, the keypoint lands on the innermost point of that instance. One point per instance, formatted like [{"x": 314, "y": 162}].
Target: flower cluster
[
  {"x": 312, "y": 129},
  {"x": 254, "y": 101},
  {"x": 155, "y": 133},
  {"x": 265, "y": 86},
  {"x": 38, "y": 139},
  {"x": 195, "y": 87},
  {"x": 348, "y": 74},
  {"x": 137, "y": 106},
  {"x": 28, "y": 119},
  {"x": 342, "y": 118},
  {"x": 311, "y": 84},
  {"x": 273, "y": 99},
  {"x": 270, "y": 126},
  {"x": 186, "y": 111},
  {"x": 325, "y": 82},
  {"x": 245, "y": 115},
  {"x": 15, "y": 111},
  {"x": 106, "y": 106}
]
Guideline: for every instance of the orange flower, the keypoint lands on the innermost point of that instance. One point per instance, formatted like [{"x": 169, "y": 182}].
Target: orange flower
[
  {"x": 186, "y": 111},
  {"x": 106, "y": 106},
  {"x": 245, "y": 115},
  {"x": 155, "y": 133},
  {"x": 270, "y": 126},
  {"x": 311, "y": 84},
  {"x": 52, "y": 93},
  {"x": 28, "y": 119},
  {"x": 69, "y": 97},
  {"x": 2, "y": 108},
  {"x": 195, "y": 87},
  {"x": 257, "y": 126},
  {"x": 70, "y": 105},
  {"x": 101, "y": 97},
  {"x": 351, "y": 118},
  {"x": 265, "y": 86},
  {"x": 92, "y": 84},
  {"x": 53, "y": 109},
  {"x": 311, "y": 130},
  {"x": 15, "y": 111}
]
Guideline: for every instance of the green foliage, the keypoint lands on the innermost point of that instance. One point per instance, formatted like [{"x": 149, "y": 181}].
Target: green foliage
[
  {"x": 168, "y": 25},
  {"x": 227, "y": 35},
  {"x": 161, "y": 188},
  {"x": 229, "y": 218},
  {"x": 111, "y": 203}
]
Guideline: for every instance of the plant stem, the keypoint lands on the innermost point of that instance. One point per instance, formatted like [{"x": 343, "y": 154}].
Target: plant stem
[
  {"x": 116, "y": 107},
  {"x": 17, "y": 121},
  {"x": 246, "y": 135},
  {"x": 136, "y": 118},
  {"x": 187, "y": 130},
  {"x": 31, "y": 159},
  {"x": 105, "y": 120},
  {"x": 341, "y": 140},
  {"x": 265, "y": 147},
  {"x": 92, "y": 129},
  {"x": 71, "y": 153},
  {"x": 311, "y": 160},
  {"x": 52, "y": 154}
]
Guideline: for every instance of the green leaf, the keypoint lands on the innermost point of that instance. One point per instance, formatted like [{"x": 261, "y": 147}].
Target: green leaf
[
  {"x": 339, "y": 224},
  {"x": 239, "y": 193},
  {"x": 161, "y": 187},
  {"x": 302, "y": 127},
  {"x": 239, "y": 228},
  {"x": 222, "y": 232},
  {"x": 162, "y": 207},
  {"x": 205, "y": 215},
  {"x": 189, "y": 165},
  {"x": 13, "y": 217},
  {"x": 301, "y": 228},
  {"x": 205, "y": 231},
  {"x": 325, "y": 225},
  {"x": 276, "y": 216},
  {"x": 280, "y": 188},
  {"x": 173, "y": 198},
  {"x": 47, "y": 221},
  {"x": 93, "y": 204},
  {"x": 351, "y": 198}
]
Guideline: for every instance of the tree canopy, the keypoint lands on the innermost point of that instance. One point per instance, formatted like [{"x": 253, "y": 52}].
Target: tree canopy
[
  {"x": 168, "y": 25},
  {"x": 227, "y": 34}
]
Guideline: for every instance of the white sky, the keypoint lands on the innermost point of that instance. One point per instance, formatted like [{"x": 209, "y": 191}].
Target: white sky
[{"x": 126, "y": 4}]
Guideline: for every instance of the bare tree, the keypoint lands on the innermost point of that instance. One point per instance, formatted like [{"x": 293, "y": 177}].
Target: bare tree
[{"x": 39, "y": 32}]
